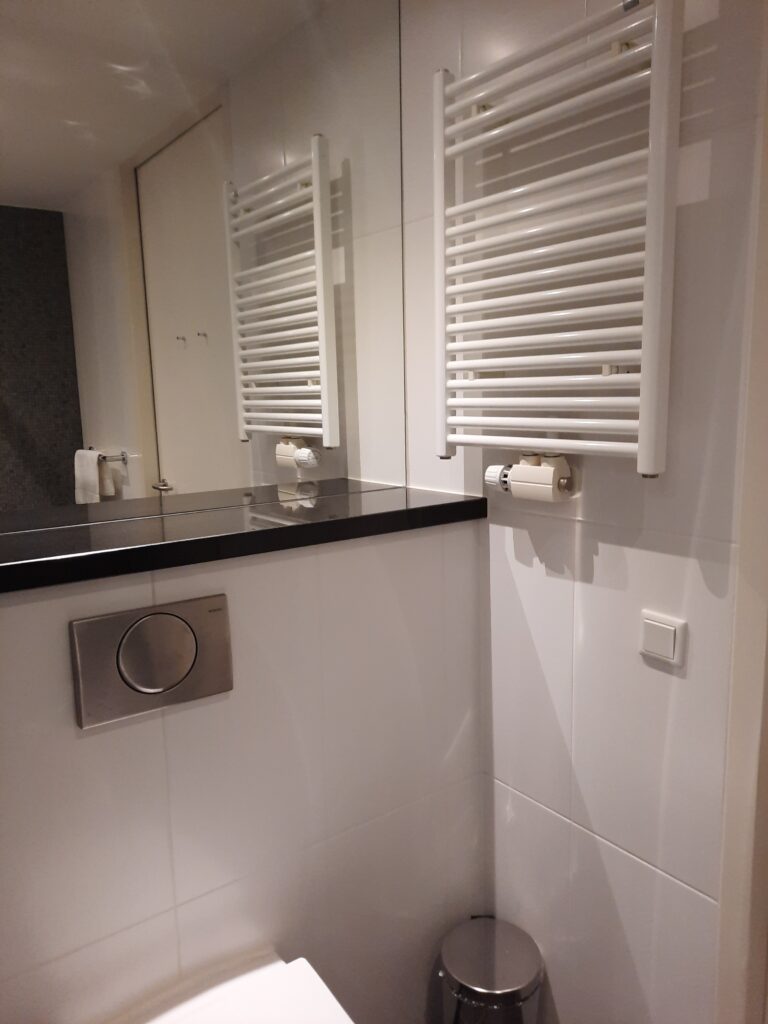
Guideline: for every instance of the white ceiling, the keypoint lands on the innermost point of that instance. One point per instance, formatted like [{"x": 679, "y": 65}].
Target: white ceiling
[{"x": 85, "y": 84}]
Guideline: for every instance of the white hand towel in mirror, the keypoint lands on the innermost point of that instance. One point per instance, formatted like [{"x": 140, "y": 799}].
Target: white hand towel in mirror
[
  {"x": 120, "y": 478},
  {"x": 86, "y": 476},
  {"x": 106, "y": 483},
  {"x": 133, "y": 484}
]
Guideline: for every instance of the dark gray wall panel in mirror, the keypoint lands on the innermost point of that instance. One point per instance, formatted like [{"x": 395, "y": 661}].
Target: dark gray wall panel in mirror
[
  {"x": 129, "y": 128},
  {"x": 39, "y": 403}
]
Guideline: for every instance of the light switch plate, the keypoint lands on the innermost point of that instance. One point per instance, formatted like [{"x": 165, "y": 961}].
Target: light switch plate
[{"x": 663, "y": 637}]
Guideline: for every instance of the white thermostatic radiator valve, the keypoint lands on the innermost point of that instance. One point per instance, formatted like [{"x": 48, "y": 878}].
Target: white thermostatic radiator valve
[
  {"x": 294, "y": 453},
  {"x": 535, "y": 477}
]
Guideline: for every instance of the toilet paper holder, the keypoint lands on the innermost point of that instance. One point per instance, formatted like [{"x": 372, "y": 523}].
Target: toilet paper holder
[
  {"x": 122, "y": 457},
  {"x": 534, "y": 477}
]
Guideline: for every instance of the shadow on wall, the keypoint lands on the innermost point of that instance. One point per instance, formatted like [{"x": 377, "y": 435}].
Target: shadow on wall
[
  {"x": 539, "y": 888},
  {"x": 652, "y": 750}
]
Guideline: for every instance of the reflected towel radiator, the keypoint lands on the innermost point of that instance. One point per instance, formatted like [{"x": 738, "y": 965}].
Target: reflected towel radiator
[
  {"x": 281, "y": 285},
  {"x": 554, "y": 191}
]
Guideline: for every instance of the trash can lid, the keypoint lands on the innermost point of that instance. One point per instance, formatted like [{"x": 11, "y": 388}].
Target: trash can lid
[{"x": 487, "y": 961}]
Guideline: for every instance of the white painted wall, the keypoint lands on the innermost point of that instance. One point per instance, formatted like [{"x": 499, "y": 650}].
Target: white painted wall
[
  {"x": 108, "y": 316},
  {"x": 338, "y": 75},
  {"x": 332, "y": 804},
  {"x": 608, "y": 772},
  {"x": 184, "y": 242}
]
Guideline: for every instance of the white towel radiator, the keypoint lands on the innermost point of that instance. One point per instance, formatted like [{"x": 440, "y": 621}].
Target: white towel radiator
[
  {"x": 280, "y": 269},
  {"x": 554, "y": 192}
]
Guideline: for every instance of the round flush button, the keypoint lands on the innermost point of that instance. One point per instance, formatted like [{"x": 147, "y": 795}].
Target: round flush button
[{"x": 157, "y": 653}]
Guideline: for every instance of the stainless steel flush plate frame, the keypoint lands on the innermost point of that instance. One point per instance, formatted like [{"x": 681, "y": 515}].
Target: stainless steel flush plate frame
[{"x": 137, "y": 661}]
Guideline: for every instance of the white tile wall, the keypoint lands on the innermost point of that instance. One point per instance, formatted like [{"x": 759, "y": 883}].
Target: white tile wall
[
  {"x": 261, "y": 911},
  {"x": 376, "y": 927},
  {"x": 494, "y": 29},
  {"x": 532, "y": 582},
  {"x": 649, "y": 744},
  {"x": 83, "y": 819},
  {"x": 643, "y": 945},
  {"x": 224, "y": 753},
  {"x": 532, "y": 877},
  {"x": 93, "y": 984},
  {"x": 622, "y": 940},
  {"x": 374, "y": 360},
  {"x": 608, "y": 771},
  {"x": 394, "y": 629},
  {"x": 430, "y": 37},
  {"x": 331, "y": 801}
]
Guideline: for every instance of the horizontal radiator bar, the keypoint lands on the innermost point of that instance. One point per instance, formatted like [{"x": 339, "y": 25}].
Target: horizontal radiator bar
[
  {"x": 574, "y": 403},
  {"x": 269, "y": 265},
  {"x": 561, "y": 446},
  {"x": 560, "y": 424},
  {"x": 611, "y": 217},
  {"x": 611, "y": 357},
  {"x": 626, "y": 237},
  {"x": 572, "y": 382}
]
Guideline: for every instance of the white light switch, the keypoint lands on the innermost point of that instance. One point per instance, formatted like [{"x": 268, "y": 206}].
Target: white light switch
[{"x": 663, "y": 637}]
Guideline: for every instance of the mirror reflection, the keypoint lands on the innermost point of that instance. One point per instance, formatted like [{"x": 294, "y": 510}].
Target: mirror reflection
[{"x": 200, "y": 253}]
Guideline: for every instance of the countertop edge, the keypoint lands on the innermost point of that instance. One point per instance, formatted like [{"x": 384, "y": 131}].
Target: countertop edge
[{"x": 77, "y": 568}]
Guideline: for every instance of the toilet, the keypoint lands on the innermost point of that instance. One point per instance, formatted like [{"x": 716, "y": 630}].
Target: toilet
[{"x": 261, "y": 990}]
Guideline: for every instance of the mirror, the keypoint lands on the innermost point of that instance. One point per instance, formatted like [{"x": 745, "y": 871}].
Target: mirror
[{"x": 200, "y": 236}]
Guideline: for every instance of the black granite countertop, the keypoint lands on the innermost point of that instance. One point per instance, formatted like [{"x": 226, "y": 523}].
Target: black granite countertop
[
  {"x": 185, "y": 530},
  {"x": 56, "y": 516}
]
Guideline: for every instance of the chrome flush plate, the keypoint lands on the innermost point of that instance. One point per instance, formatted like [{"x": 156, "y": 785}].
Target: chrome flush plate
[{"x": 133, "y": 662}]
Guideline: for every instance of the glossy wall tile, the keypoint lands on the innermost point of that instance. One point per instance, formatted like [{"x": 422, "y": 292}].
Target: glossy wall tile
[
  {"x": 83, "y": 819},
  {"x": 609, "y": 770},
  {"x": 331, "y": 802}
]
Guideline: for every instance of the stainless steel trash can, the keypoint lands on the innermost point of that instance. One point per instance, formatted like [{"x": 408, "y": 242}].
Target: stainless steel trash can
[{"x": 491, "y": 973}]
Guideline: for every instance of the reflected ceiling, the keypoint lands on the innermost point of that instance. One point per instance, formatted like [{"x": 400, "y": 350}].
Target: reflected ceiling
[{"x": 87, "y": 83}]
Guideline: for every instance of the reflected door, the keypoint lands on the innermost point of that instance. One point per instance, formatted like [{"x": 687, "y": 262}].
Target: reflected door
[{"x": 184, "y": 245}]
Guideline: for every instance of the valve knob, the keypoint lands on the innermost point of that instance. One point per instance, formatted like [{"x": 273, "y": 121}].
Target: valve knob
[
  {"x": 496, "y": 476},
  {"x": 307, "y": 458}
]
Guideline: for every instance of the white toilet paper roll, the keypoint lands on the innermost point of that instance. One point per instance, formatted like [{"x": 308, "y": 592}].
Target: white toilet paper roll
[
  {"x": 285, "y": 453},
  {"x": 295, "y": 454},
  {"x": 538, "y": 479}
]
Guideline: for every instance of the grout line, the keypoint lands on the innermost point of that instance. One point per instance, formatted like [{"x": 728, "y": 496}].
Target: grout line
[
  {"x": 596, "y": 835},
  {"x": 576, "y": 570},
  {"x": 403, "y": 280},
  {"x": 534, "y": 800},
  {"x": 86, "y": 945},
  {"x": 422, "y": 798},
  {"x": 217, "y": 888},
  {"x": 171, "y": 844},
  {"x": 637, "y": 529},
  {"x": 729, "y": 724},
  {"x": 352, "y": 828}
]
